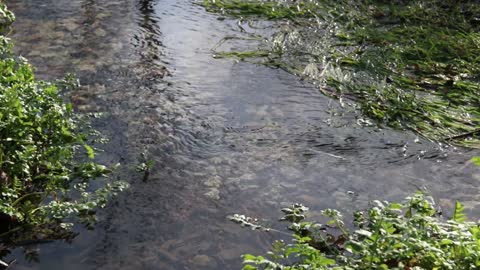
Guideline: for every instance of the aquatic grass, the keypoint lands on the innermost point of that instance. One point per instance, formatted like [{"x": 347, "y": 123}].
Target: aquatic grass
[
  {"x": 268, "y": 9},
  {"x": 243, "y": 54},
  {"x": 407, "y": 64}
]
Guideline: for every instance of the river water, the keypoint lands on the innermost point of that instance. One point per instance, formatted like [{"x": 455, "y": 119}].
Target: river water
[{"x": 226, "y": 137}]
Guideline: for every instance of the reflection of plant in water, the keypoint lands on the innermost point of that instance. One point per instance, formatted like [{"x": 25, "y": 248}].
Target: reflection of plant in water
[
  {"x": 407, "y": 64},
  {"x": 409, "y": 235},
  {"x": 46, "y": 162}
]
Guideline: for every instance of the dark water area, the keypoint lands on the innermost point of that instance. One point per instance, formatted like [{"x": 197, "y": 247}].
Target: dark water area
[{"x": 226, "y": 137}]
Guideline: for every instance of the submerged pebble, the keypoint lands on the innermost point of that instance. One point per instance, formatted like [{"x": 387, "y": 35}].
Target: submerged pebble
[
  {"x": 203, "y": 261},
  {"x": 213, "y": 194}
]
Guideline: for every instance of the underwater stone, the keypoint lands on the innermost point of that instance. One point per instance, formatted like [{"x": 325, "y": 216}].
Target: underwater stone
[
  {"x": 213, "y": 194},
  {"x": 203, "y": 261}
]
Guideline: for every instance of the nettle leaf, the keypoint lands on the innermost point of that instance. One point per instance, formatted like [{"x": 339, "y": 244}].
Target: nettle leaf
[
  {"x": 249, "y": 258},
  {"x": 354, "y": 247},
  {"x": 459, "y": 213},
  {"x": 90, "y": 151},
  {"x": 294, "y": 213},
  {"x": 245, "y": 221}
]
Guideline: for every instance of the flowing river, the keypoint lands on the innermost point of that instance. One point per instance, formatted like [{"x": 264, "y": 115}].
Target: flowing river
[{"x": 226, "y": 137}]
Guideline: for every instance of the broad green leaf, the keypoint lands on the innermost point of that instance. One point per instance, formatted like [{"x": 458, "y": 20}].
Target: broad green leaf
[
  {"x": 459, "y": 213},
  {"x": 446, "y": 242}
]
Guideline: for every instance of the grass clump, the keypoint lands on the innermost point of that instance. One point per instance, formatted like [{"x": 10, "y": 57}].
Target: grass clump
[
  {"x": 46, "y": 164},
  {"x": 407, "y": 64},
  {"x": 408, "y": 235}
]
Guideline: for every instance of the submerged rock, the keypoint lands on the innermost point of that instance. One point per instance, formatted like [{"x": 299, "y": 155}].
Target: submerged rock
[
  {"x": 214, "y": 182},
  {"x": 203, "y": 261},
  {"x": 213, "y": 194}
]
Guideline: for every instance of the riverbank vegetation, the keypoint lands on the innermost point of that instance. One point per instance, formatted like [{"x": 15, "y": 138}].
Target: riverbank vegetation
[
  {"x": 411, "y": 64},
  {"x": 408, "y": 235},
  {"x": 46, "y": 162}
]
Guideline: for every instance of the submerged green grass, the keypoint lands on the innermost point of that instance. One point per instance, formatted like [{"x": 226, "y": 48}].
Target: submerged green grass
[
  {"x": 408, "y": 64},
  {"x": 268, "y": 9}
]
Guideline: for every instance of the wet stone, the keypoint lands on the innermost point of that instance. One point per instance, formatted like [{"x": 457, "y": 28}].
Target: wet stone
[
  {"x": 103, "y": 15},
  {"x": 290, "y": 172},
  {"x": 213, "y": 194},
  {"x": 100, "y": 32},
  {"x": 247, "y": 177},
  {"x": 446, "y": 203},
  {"x": 87, "y": 67},
  {"x": 86, "y": 108},
  {"x": 216, "y": 160},
  {"x": 342, "y": 198},
  {"x": 214, "y": 182},
  {"x": 203, "y": 261},
  {"x": 234, "y": 253},
  {"x": 331, "y": 183},
  {"x": 308, "y": 200},
  {"x": 70, "y": 24},
  {"x": 232, "y": 181}
]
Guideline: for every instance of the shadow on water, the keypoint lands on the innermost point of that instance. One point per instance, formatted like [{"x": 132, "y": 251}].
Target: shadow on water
[{"x": 226, "y": 137}]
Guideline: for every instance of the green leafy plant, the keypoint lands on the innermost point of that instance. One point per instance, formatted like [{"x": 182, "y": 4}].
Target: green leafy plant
[
  {"x": 388, "y": 235},
  {"x": 46, "y": 160}
]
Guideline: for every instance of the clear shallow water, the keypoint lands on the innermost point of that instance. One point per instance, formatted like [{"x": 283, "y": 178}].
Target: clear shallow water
[{"x": 226, "y": 137}]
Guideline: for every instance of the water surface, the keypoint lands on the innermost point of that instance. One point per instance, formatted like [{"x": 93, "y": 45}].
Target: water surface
[{"x": 226, "y": 137}]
